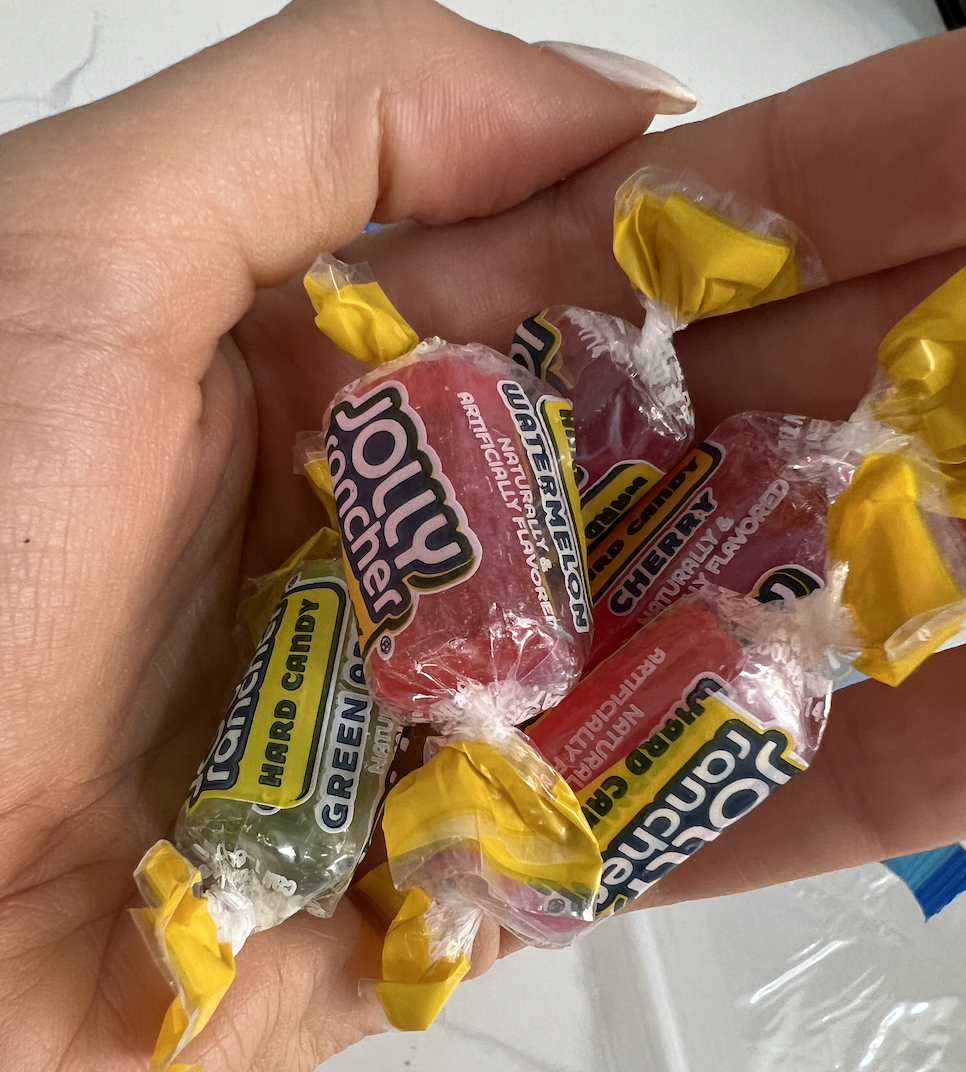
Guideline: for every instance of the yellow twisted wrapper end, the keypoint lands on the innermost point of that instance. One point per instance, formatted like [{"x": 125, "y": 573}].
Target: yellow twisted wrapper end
[
  {"x": 513, "y": 823},
  {"x": 695, "y": 261},
  {"x": 416, "y": 982},
  {"x": 904, "y": 600},
  {"x": 266, "y": 591},
  {"x": 180, "y": 929},
  {"x": 924, "y": 361},
  {"x": 355, "y": 313}
]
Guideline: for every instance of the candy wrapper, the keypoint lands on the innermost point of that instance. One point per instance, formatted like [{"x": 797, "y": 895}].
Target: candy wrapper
[
  {"x": 468, "y": 573},
  {"x": 522, "y": 847},
  {"x": 689, "y": 252},
  {"x": 632, "y": 412},
  {"x": 756, "y": 508},
  {"x": 451, "y": 471},
  {"x": 282, "y": 807},
  {"x": 921, "y": 385},
  {"x": 744, "y": 510},
  {"x": 697, "y": 719},
  {"x": 712, "y": 705}
]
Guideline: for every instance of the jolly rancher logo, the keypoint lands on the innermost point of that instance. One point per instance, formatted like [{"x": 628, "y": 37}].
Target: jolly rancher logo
[{"x": 403, "y": 530}]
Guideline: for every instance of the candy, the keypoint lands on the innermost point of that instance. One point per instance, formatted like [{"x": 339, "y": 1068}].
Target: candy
[
  {"x": 452, "y": 475},
  {"x": 697, "y": 719},
  {"x": 282, "y": 807},
  {"x": 632, "y": 413},
  {"x": 689, "y": 252},
  {"x": 682, "y": 654},
  {"x": 744, "y": 510}
]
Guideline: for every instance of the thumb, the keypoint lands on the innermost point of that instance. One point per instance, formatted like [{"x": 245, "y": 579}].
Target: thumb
[{"x": 234, "y": 168}]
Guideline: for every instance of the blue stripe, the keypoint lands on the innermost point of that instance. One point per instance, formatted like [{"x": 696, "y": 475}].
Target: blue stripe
[{"x": 935, "y": 878}]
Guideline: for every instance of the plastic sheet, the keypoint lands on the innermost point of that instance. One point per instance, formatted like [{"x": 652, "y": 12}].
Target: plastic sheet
[{"x": 837, "y": 973}]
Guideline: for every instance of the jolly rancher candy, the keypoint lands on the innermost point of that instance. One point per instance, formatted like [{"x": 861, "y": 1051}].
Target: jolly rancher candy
[
  {"x": 762, "y": 504},
  {"x": 632, "y": 412},
  {"x": 744, "y": 510},
  {"x": 715, "y": 702},
  {"x": 451, "y": 472},
  {"x": 689, "y": 252},
  {"x": 698, "y": 718},
  {"x": 453, "y": 479},
  {"x": 282, "y": 807}
]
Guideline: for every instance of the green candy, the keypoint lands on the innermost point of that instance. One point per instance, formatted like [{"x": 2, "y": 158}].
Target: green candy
[{"x": 281, "y": 810}]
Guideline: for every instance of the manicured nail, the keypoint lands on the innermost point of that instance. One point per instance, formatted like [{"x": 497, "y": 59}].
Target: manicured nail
[{"x": 673, "y": 97}]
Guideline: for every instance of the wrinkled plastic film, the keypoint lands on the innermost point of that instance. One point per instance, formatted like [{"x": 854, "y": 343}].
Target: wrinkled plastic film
[
  {"x": 452, "y": 474},
  {"x": 632, "y": 411},
  {"x": 453, "y": 478},
  {"x": 282, "y": 807},
  {"x": 922, "y": 386},
  {"x": 693, "y": 251},
  {"x": 702, "y": 715},
  {"x": 689, "y": 251},
  {"x": 837, "y": 971},
  {"x": 355, "y": 313}
]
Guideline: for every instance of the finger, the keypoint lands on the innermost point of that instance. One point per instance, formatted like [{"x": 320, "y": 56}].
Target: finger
[
  {"x": 814, "y": 354},
  {"x": 865, "y": 160},
  {"x": 132, "y": 234},
  {"x": 302, "y": 994},
  {"x": 237, "y": 166}
]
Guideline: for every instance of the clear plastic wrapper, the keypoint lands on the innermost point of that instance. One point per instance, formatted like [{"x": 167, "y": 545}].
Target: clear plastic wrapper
[
  {"x": 751, "y": 509},
  {"x": 486, "y": 823},
  {"x": 453, "y": 479},
  {"x": 697, "y": 719},
  {"x": 921, "y": 385},
  {"x": 282, "y": 808},
  {"x": 632, "y": 412},
  {"x": 451, "y": 471},
  {"x": 689, "y": 251}
]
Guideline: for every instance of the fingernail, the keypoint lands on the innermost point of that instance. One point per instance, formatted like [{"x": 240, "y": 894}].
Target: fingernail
[{"x": 674, "y": 97}]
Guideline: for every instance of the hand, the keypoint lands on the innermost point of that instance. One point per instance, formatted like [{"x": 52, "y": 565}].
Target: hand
[
  {"x": 143, "y": 447},
  {"x": 133, "y": 236}
]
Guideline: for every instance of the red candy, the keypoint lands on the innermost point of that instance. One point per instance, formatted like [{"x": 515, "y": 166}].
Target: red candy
[
  {"x": 745, "y": 511},
  {"x": 682, "y": 731},
  {"x": 453, "y": 478},
  {"x": 624, "y": 700},
  {"x": 632, "y": 413}
]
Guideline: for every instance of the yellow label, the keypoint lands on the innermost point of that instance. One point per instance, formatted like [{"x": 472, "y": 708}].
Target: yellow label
[
  {"x": 642, "y": 525},
  {"x": 558, "y": 419},
  {"x": 536, "y": 346},
  {"x": 706, "y": 767},
  {"x": 617, "y": 491},
  {"x": 267, "y": 749}
]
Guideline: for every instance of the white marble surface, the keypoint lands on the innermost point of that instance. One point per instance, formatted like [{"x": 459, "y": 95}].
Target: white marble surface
[
  {"x": 56, "y": 54},
  {"x": 836, "y": 973}
]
